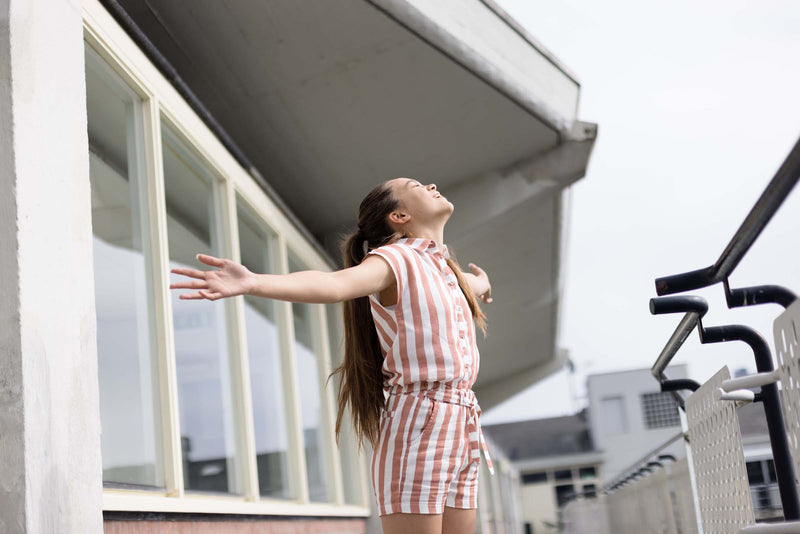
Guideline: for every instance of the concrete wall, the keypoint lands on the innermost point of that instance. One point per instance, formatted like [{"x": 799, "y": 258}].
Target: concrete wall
[
  {"x": 272, "y": 526},
  {"x": 50, "y": 469},
  {"x": 621, "y": 449}
]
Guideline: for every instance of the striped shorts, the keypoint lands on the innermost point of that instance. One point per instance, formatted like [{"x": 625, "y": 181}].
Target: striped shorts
[{"x": 428, "y": 453}]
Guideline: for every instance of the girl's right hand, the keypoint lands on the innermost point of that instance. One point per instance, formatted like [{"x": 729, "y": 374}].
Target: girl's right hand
[{"x": 230, "y": 280}]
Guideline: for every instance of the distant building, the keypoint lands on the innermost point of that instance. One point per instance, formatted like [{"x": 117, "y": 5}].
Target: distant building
[
  {"x": 627, "y": 418},
  {"x": 556, "y": 460}
]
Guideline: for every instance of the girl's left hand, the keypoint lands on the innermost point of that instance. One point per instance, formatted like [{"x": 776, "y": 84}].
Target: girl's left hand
[{"x": 480, "y": 274}]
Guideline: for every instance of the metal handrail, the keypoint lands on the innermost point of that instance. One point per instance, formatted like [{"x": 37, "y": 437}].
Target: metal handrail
[
  {"x": 694, "y": 309},
  {"x": 771, "y": 199}
]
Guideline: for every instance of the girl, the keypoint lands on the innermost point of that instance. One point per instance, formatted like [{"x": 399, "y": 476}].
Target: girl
[{"x": 406, "y": 334}]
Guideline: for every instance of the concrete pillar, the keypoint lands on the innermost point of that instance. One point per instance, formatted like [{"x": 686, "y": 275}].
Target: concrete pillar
[{"x": 50, "y": 466}]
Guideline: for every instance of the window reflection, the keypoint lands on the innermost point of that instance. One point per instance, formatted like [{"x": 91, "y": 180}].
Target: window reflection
[
  {"x": 201, "y": 352},
  {"x": 269, "y": 410},
  {"x": 310, "y": 394},
  {"x": 348, "y": 444},
  {"x": 129, "y": 399}
]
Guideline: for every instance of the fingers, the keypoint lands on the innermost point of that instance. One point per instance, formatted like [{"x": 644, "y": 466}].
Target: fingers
[
  {"x": 211, "y": 295},
  {"x": 191, "y": 284},
  {"x": 211, "y": 260},
  {"x": 477, "y": 271},
  {"x": 194, "y": 273},
  {"x": 191, "y": 296},
  {"x": 200, "y": 295}
]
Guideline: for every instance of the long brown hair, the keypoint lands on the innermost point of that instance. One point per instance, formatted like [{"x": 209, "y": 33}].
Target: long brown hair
[{"x": 361, "y": 372}]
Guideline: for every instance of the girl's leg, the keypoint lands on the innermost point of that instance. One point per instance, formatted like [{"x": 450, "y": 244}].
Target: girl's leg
[
  {"x": 399, "y": 523},
  {"x": 458, "y": 521}
]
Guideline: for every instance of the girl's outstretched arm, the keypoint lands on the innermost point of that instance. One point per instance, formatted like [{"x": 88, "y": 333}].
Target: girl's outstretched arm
[
  {"x": 479, "y": 282},
  {"x": 371, "y": 276}
]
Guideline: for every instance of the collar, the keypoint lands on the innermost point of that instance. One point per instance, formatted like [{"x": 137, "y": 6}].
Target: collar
[{"x": 424, "y": 245}]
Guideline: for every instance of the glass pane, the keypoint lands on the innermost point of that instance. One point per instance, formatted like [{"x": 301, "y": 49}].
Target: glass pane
[
  {"x": 755, "y": 472},
  {"x": 269, "y": 409},
  {"x": 563, "y": 474},
  {"x": 587, "y": 472},
  {"x": 771, "y": 471},
  {"x": 564, "y": 494},
  {"x": 204, "y": 392},
  {"x": 311, "y": 399},
  {"x": 129, "y": 399},
  {"x": 534, "y": 478},
  {"x": 348, "y": 446}
]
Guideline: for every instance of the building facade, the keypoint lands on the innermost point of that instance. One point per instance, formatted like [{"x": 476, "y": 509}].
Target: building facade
[{"x": 124, "y": 403}]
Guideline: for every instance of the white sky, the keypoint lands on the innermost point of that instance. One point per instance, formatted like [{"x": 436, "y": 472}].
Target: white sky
[{"x": 698, "y": 104}]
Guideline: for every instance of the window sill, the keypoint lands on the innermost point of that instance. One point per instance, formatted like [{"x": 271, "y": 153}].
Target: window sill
[{"x": 141, "y": 501}]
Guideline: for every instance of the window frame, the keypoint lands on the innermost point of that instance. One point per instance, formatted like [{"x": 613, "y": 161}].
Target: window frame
[{"x": 160, "y": 101}]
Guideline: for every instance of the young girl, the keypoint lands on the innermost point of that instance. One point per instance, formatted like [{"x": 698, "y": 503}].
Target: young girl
[{"x": 406, "y": 334}]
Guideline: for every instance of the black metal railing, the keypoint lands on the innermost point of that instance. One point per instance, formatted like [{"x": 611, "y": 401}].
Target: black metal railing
[{"x": 694, "y": 309}]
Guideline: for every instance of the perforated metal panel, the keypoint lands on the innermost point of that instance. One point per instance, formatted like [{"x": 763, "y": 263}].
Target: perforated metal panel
[
  {"x": 716, "y": 441},
  {"x": 787, "y": 349}
]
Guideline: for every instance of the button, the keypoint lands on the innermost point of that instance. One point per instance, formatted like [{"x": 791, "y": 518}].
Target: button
[
  {"x": 451, "y": 284},
  {"x": 461, "y": 334}
]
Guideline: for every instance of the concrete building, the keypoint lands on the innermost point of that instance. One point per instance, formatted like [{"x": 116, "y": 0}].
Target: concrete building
[
  {"x": 626, "y": 421},
  {"x": 629, "y": 416},
  {"x": 556, "y": 460},
  {"x": 136, "y": 134}
]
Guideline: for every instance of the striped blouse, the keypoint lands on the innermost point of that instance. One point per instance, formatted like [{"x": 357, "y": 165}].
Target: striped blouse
[{"x": 428, "y": 335}]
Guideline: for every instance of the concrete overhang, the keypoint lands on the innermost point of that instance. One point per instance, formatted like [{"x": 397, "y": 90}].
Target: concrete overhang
[{"x": 327, "y": 99}]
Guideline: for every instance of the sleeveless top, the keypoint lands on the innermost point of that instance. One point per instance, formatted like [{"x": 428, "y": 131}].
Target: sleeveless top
[{"x": 429, "y": 334}]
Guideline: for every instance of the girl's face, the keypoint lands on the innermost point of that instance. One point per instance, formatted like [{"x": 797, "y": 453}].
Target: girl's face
[{"x": 422, "y": 202}]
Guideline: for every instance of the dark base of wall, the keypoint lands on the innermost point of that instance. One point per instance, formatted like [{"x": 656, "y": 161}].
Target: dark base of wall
[{"x": 174, "y": 523}]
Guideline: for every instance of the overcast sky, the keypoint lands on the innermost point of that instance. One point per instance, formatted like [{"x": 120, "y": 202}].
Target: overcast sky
[{"x": 698, "y": 103}]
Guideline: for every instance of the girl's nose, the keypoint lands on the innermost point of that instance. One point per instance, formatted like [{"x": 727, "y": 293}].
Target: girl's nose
[{"x": 431, "y": 187}]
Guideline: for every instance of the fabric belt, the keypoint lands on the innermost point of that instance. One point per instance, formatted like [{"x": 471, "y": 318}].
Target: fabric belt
[{"x": 449, "y": 394}]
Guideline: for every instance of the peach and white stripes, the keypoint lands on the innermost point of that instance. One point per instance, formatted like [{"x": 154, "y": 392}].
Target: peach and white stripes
[{"x": 428, "y": 453}]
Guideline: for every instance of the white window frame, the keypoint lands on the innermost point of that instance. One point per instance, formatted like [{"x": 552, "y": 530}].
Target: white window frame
[{"x": 161, "y": 101}]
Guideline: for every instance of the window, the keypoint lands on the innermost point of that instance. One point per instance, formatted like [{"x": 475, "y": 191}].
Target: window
[
  {"x": 534, "y": 478},
  {"x": 589, "y": 491},
  {"x": 263, "y": 349},
  {"x": 660, "y": 410},
  {"x": 612, "y": 410},
  {"x": 307, "y": 352},
  {"x": 129, "y": 388},
  {"x": 755, "y": 472},
  {"x": 564, "y": 494},
  {"x": 587, "y": 472},
  {"x": 348, "y": 450},
  {"x": 201, "y": 341},
  {"x": 563, "y": 474},
  {"x": 173, "y": 372}
]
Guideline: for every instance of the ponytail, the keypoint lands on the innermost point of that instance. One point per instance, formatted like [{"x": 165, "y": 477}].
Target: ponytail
[
  {"x": 362, "y": 378},
  {"x": 361, "y": 371}
]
